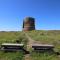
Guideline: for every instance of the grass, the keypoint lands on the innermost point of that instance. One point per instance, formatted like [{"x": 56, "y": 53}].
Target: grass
[
  {"x": 42, "y": 36},
  {"x": 11, "y": 56},
  {"x": 46, "y": 37},
  {"x": 12, "y": 37},
  {"x": 43, "y": 56}
]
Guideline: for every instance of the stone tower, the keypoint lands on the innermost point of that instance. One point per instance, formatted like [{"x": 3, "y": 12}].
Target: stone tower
[{"x": 28, "y": 24}]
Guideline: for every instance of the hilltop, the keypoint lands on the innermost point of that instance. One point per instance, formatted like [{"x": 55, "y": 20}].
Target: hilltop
[{"x": 39, "y": 36}]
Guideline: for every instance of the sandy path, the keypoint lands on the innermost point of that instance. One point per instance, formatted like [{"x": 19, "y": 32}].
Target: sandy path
[
  {"x": 29, "y": 46},
  {"x": 30, "y": 42}
]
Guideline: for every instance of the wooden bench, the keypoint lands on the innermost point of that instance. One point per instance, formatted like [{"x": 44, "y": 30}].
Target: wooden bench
[
  {"x": 8, "y": 47},
  {"x": 11, "y": 46},
  {"x": 42, "y": 47}
]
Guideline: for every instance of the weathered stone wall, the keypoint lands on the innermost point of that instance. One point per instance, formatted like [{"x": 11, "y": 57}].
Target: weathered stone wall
[{"x": 28, "y": 24}]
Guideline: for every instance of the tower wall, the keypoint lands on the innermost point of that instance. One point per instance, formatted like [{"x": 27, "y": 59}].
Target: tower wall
[{"x": 28, "y": 24}]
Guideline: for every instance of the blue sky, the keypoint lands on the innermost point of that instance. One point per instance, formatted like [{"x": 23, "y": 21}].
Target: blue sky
[{"x": 45, "y": 12}]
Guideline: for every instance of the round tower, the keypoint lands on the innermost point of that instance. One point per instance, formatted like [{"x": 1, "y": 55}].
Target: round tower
[{"x": 28, "y": 24}]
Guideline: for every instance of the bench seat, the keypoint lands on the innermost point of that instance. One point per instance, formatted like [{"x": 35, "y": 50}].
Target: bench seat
[
  {"x": 11, "y": 46},
  {"x": 42, "y": 47}
]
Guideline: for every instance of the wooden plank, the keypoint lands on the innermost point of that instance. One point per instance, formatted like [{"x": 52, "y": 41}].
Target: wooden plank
[
  {"x": 42, "y": 46},
  {"x": 11, "y": 44}
]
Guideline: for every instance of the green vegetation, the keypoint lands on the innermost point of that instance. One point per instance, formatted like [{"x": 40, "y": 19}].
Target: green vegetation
[
  {"x": 12, "y": 37},
  {"x": 49, "y": 37},
  {"x": 11, "y": 55},
  {"x": 44, "y": 56},
  {"x": 42, "y": 36}
]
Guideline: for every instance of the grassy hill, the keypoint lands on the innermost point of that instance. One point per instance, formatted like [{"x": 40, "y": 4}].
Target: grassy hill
[
  {"x": 11, "y": 37},
  {"x": 42, "y": 36},
  {"x": 46, "y": 37}
]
